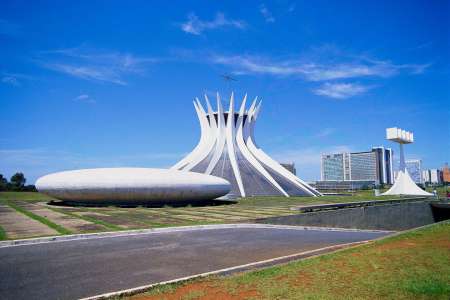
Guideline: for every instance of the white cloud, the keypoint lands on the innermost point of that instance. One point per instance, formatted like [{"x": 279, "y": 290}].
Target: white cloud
[
  {"x": 96, "y": 73},
  {"x": 315, "y": 71},
  {"x": 13, "y": 79},
  {"x": 267, "y": 15},
  {"x": 196, "y": 26},
  {"x": 325, "y": 132},
  {"x": 340, "y": 90},
  {"x": 95, "y": 65},
  {"x": 85, "y": 98}
]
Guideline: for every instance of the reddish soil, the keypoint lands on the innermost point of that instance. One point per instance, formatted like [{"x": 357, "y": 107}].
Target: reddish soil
[
  {"x": 302, "y": 279},
  {"x": 397, "y": 245},
  {"x": 202, "y": 291}
]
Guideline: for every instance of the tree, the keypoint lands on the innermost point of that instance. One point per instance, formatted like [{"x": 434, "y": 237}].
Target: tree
[
  {"x": 3, "y": 183},
  {"x": 18, "y": 180}
]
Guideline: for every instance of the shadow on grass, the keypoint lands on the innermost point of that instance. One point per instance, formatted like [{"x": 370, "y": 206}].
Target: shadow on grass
[{"x": 153, "y": 204}]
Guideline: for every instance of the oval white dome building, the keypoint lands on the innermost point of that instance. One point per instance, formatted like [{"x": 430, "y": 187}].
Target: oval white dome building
[{"x": 131, "y": 185}]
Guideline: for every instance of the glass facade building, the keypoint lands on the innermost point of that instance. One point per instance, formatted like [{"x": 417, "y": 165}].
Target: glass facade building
[
  {"x": 414, "y": 167},
  {"x": 332, "y": 167},
  {"x": 363, "y": 166},
  {"x": 375, "y": 165},
  {"x": 385, "y": 157}
]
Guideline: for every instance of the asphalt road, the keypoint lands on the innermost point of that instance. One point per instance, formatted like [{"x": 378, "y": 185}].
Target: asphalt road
[{"x": 82, "y": 268}]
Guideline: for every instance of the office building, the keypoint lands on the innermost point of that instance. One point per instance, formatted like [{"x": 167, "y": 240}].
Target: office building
[
  {"x": 346, "y": 185},
  {"x": 375, "y": 165},
  {"x": 432, "y": 176},
  {"x": 332, "y": 167},
  {"x": 385, "y": 158},
  {"x": 363, "y": 166},
  {"x": 414, "y": 167}
]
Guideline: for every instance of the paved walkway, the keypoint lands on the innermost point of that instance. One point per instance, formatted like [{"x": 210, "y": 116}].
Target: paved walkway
[
  {"x": 19, "y": 226},
  {"x": 82, "y": 268},
  {"x": 74, "y": 224}
]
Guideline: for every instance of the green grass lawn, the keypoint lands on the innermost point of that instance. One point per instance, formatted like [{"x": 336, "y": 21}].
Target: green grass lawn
[
  {"x": 293, "y": 201},
  {"x": 248, "y": 201},
  {"x": 412, "y": 265},
  {"x": 26, "y": 196},
  {"x": 113, "y": 218},
  {"x": 3, "y": 235}
]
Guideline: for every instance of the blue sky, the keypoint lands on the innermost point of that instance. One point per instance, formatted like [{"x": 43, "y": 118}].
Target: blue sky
[{"x": 111, "y": 83}]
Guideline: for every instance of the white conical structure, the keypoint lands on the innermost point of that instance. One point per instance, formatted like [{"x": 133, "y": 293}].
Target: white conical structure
[
  {"x": 227, "y": 149},
  {"x": 403, "y": 185}
]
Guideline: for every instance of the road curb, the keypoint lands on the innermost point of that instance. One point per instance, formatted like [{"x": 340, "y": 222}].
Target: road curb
[
  {"x": 87, "y": 236},
  {"x": 235, "y": 269},
  {"x": 260, "y": 264}
]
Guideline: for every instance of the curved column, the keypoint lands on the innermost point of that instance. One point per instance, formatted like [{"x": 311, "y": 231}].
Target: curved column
[
  {"x": 248, "y": 123},
  {"x": 246, "y": 153},
  {"x": 230, "y": 134},
  {"x": 203, "y": 135},
  {"x": 268, "y": 161},
  {"x": 221, "y": 137},
  {"x": 212, "y": 120},
  {"x": 209, "y": 141}
]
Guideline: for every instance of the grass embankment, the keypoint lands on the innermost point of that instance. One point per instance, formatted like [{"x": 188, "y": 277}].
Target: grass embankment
[
  {"x": 412, "y": 265},
  {"x": 3, "y": 235},
  {"x": 60, "y": 229}
]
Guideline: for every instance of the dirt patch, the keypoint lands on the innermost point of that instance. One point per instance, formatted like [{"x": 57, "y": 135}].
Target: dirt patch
[
  {"x": 202, "y": 291},
  {"x": 398, "y": 245},
  {"x": 302, "y": 279},
  {"x": 443, "y": 244}
]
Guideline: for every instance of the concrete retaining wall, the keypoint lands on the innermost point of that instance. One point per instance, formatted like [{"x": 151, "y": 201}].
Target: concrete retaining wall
[{"x": 384, "y": 217}]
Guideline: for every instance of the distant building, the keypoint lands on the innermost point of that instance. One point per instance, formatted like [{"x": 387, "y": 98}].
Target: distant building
[
  {"x": 290, "y": 167},
  {"x": 432, "y": 176},
  {"x": 446, "y": 174},
  {"x": 345, "y": 185},
  {"x": 414, "y": 167},
  {"x": 385, "y": 157},
  {"x": 375, "y": 165},
  {"x": 332, "y": 167},
  {"x": 363, "y": 166}
]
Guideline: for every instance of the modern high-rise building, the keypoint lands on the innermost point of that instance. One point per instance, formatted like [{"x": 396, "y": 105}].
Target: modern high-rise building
[
  {"x": 414, "y": 167},
  {"x": 227, "y": 149},
  {"x": 363, "y": 166},
  {"x": 432, "y": 176},
  {"x": 332, "y": 167},
  {"x": 385, "y": 157},
  {"x": 350, "y": 166}
]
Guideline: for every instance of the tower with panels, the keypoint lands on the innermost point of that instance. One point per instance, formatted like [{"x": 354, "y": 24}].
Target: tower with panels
[
  {"x": 227, "y": 149},
  {"x": 403, "y": 185}
]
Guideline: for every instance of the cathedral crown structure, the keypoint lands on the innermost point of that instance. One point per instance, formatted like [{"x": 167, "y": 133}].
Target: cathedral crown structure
[{"x": 227, "y": 149}]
